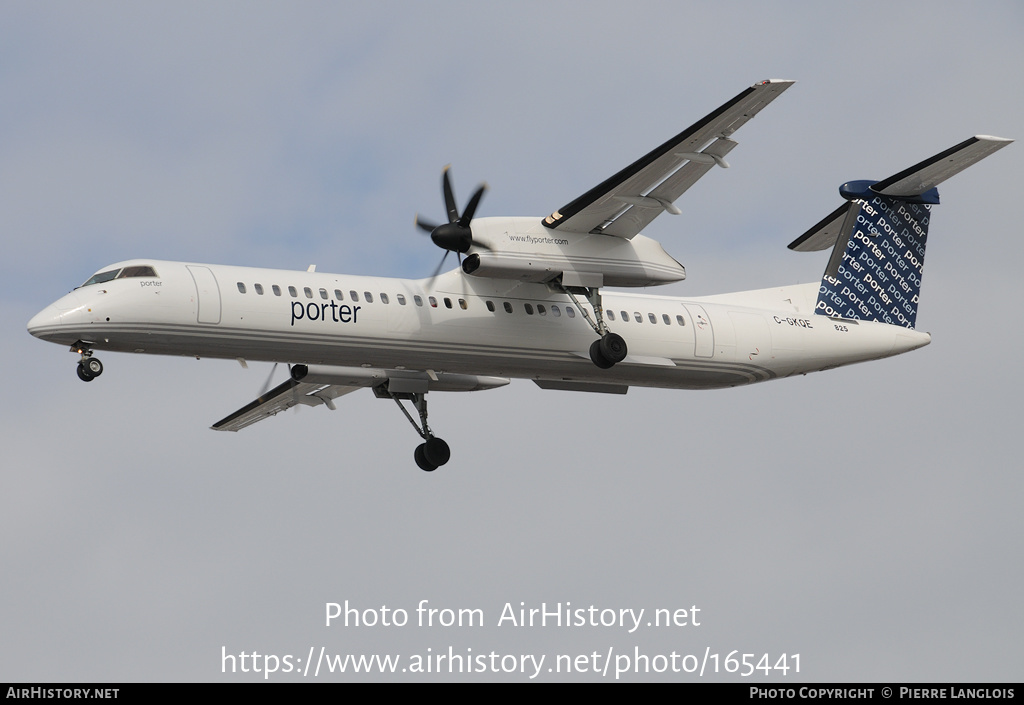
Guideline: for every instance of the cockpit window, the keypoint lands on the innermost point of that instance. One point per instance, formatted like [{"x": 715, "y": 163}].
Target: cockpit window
[
  {"x": 141, "y": 270},
  {"x": 138, "y": 270},
  {"x": 102, "y": 277}
]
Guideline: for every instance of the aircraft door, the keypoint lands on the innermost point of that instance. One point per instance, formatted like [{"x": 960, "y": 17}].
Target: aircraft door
[
  {"x": 703, "y": 334},
  {"x": 207, "y": 294}
]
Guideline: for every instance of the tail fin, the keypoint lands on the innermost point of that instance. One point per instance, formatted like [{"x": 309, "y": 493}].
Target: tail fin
[{"x": 879, "y": 237}]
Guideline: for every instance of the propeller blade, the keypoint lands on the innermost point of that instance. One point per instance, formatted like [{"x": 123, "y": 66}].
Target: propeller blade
[
  {"x": 437, "y": 271},
  {"x": 467, "y": 215},
  {"x": 449, "y": 197},
  {"x": 266, "y": 385},
  {"x": 425, "y": 224}
]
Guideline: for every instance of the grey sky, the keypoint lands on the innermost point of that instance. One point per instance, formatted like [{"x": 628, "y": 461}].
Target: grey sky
[{"x": 867, "y": 518}]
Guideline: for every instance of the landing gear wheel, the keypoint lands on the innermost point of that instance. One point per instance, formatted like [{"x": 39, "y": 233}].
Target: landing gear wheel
[
  {"x": 613, "y": 347},
  {"x": 84, "y": 374},
  {"x": 421, "y": 459},
  {"x": 436, "y": 452},
  {"x": 597, "y": 357},
  {"x": 93, "y": 366}
]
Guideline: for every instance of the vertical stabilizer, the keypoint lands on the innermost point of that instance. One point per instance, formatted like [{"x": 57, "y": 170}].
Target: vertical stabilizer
[
  {"x": 874, "y": 273},
  {"x": 879, "y": 238}
]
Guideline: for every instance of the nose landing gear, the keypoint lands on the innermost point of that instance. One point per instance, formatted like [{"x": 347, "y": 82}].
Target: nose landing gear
[{"x": 89, "y": 367}]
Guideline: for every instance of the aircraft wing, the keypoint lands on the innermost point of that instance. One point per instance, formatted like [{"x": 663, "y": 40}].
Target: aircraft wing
[
  {"x": 282, "y": 397},
  {"x": 625, "y": 203},
  {"x": 313, "y": 385}
]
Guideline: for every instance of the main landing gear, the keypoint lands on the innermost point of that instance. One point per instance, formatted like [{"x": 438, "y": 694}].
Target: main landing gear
[
  {"x": 89, "y": 367},
  {"x": 610, "y": 348},
  {"x": 433, "y": 452}
]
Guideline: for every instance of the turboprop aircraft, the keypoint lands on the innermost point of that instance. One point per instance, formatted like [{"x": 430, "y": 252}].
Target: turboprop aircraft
[{"x": 529, "y": 301}]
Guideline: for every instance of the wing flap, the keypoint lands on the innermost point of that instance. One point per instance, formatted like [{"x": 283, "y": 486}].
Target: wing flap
[{"x": 693, "y": 152}]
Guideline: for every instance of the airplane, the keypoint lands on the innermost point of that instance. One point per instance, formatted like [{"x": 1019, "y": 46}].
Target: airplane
[{"x": 529, "y": 300}]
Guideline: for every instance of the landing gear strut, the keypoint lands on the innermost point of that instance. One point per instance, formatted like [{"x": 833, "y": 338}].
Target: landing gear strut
[
  {"x": 611, "y": 347},
  {"x": 433, "y": 452},
  {"x": 89, "y": 367}
]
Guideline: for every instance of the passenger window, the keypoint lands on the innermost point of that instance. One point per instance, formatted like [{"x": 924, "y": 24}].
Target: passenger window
[
  {"x": 555, "y": 311},
  {"x": 308, "y": 292},
  {"x": 338, "y": 296},
  {"x": 354, "y": 295},
  {"x": 401, "y": 299},
  {"x": 508, "y": 307},
  {"x": 384, "y": 298},
  {"x": 369, "y": 297},
  {"x": 651, "y": 317},
  {"x": 241, "y": 288},
  {"x": 463, "y": 305},
  {"x": 323, "y": 294},
  {"x": 490, "y": 306},
  {"x": 625, "y": 316},
  {"x": 276, "y": 289},
  {"x": 638, "y": 317},
  {"x": 418, "y": 299},
  {"x": 611, "y": 314},
  {"x": 665, "y": 319},
  {"x": 433, "y": 301},
  {"x": 447, "y": 302},
  {"x": 291, "y": 290},
  {"x": 258, "y": 288},
  {"x": 680, "y": 320},
  {"x": 570, "y": 312},
  {"x": 541, "y": 310}
]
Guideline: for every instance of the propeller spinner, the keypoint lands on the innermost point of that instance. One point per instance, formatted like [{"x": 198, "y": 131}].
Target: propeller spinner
[{"x": 455, "y": 235}]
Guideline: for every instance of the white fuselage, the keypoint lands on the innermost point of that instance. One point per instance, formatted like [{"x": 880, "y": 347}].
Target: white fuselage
[{"x": 462, "y": 324}]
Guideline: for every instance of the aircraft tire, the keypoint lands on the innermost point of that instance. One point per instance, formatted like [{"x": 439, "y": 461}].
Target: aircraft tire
[
  {"x": 597, "y": 357},
  {"x": 93, "y": 366},
  {"x": 421, "y": 459},
  {"x": 613, "y": 347},
  {"x": 84, "y": 375},
  {"x": 436, "y": 452}
]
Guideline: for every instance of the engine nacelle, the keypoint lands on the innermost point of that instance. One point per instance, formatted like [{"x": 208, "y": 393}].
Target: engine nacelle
[{"x": 512, "y": 250}]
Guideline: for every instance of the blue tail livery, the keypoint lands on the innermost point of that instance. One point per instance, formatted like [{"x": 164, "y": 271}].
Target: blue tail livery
[{"x": 879, "y": 236}]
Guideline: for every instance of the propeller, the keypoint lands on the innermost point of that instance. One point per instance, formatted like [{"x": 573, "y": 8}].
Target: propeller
[
  {"x": 455, "y": 235},
  {"x": 266, "y": 385},
  {"x": 270, "y": 379}
]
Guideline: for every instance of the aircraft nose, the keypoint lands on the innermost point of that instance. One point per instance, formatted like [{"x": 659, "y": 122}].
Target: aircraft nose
[
  {"x": 46, "y": 320},
  {"x": 49, "y": 323}
]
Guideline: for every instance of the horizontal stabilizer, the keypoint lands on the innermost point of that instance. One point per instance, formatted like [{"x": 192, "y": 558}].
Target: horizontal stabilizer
[
  {"x": 823, "y": 235},
  {"x": 932, "y": 172},
  {"x": 914, "y": 183}
]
